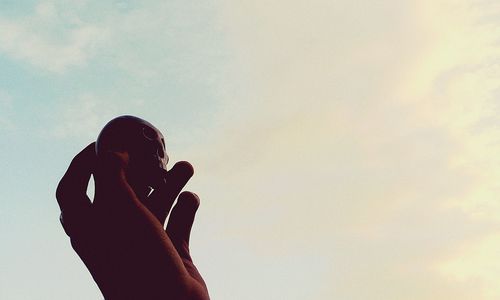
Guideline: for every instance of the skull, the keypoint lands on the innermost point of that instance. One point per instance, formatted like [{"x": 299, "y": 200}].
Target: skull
[{"x": 146, "y": 148}]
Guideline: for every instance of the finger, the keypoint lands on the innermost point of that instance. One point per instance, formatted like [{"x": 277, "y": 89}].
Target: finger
[
  {"x": 181, "y": 221},
  {"x": 112, "y": 190},
  {"x": 112, "y": 163},
  {"x": 71, "y": 192},
  {"x": 161, "y": 200}
]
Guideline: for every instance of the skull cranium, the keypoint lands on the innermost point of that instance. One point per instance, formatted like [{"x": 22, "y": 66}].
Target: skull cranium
[{"x": 145, "y": 145}]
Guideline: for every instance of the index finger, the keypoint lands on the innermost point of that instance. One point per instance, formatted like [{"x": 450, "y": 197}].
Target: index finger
[{"x": 71, "y": 193}]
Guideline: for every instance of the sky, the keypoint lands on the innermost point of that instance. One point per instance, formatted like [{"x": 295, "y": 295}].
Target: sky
[{"x": 342, "y": 149}]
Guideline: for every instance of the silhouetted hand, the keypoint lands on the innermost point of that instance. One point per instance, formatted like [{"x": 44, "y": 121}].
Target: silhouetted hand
[{"x": 121, "y": 238}]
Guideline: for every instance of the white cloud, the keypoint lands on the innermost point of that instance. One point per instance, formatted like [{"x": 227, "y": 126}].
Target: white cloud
[
  {"x": 478, "y": 263},
  {"x": 81, "y": 117},
  {"x": 50, "y": 38},
  {"x": 84, "y": 116},
  {"x": 360, "y": 135},
  {"x": 149, "y": 40},
  {"x": 367, "y": 138}
]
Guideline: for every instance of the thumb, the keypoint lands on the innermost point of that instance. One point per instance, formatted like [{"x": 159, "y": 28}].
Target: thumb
[
  {"x": 112, "y": 162},
  {"x": 110, "y": 178},
  {"x": 181, "y": 220}
]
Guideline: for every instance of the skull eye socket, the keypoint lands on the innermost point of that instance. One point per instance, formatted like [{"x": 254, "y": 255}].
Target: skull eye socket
[
  {"x": 160, "y": 152},
  {"x": 149, "y": 133}
]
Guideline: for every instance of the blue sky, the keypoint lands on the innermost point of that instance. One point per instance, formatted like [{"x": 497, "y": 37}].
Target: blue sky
[
  {"x": 56, "y": 94},
  {"x": 343, "y": 150}
]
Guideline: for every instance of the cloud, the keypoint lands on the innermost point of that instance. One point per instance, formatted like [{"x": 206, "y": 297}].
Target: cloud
[
  {"x": 456, "y": 87},
  {"x": 84, "y": 116},
  {"x": 477, "y": 263},
  {"x": 81, "y": 117},
  {"x": 51, "y": 38},
  {"x": 364, "y": 141},
  {"x": 352, "y": 151},
  {"x": 148, "y": 40},
  {"x": 368, "y": 139}
]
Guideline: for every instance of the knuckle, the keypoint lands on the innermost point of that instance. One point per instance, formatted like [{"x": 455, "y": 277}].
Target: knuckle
[
  {"x": 189, "y": 200},
  {"x": 61, "y": 190},
  {"x": 64, "y": 225}
]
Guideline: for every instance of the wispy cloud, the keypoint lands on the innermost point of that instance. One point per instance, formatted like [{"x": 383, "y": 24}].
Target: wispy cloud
[
  {"x": 353, "y": 147},
  {"x": 370, "y": 138},
  {"x": 50, "y": 38},
  {"x": 84, "y": 116},
  {"x": 149, "y": 40},
  {"x": 476, "y": 262},
  {"x": 81, "y": 117}
]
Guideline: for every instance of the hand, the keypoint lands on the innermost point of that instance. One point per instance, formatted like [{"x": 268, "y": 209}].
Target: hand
[{"x": 121, "y": 238}]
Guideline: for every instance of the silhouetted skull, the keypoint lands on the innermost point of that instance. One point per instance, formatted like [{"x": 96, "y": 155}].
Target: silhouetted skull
[{"x": 145, "y": 145}]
